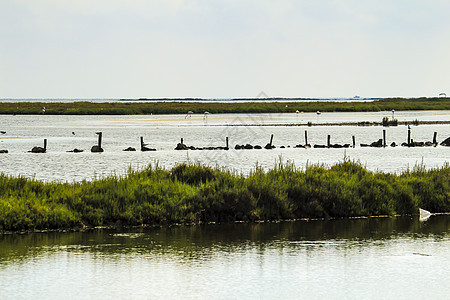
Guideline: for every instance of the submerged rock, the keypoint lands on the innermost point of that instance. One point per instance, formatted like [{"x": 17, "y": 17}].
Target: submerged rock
[
  {"x": 446, "y": 142},
  {"x": 76, "y": 150},
  {"x": 181, "y": 146},
  {"x": 96, "y": 148},
  {"x": 38, "y": 149},
  {"x": 377, "y": 144},
  {"x": 130, "y": 149}
]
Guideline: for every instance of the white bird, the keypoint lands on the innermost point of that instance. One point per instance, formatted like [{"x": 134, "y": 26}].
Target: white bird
[
  {"x": 205, "y": 115},
  {"x": 318, "y": 112},
  {"x": 189, "y": 114}
]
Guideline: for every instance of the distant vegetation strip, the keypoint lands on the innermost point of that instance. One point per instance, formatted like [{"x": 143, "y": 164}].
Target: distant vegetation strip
[
  {"x": 193, "y": 194},
  {"x": 182, "y": 107}
]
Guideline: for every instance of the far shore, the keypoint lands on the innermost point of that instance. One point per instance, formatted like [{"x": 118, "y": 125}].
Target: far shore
[{"x": 251, "y": 106}]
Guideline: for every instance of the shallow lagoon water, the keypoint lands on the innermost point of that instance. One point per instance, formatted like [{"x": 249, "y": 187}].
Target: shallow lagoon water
[
  {"x": 378, "y": 258},
  {"x": 387, "y": 258},
  {"x": 163, "y": 132}
]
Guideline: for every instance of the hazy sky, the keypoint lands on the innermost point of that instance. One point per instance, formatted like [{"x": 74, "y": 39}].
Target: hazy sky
[{"x": 223, "y": 49}]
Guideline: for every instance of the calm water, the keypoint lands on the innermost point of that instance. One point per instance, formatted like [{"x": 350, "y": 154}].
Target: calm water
[
  {"x": 381, "y": 258},
  {"x": 163, "y": 132}
]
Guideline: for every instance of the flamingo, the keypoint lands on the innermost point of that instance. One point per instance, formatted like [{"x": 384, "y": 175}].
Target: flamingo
[{"x": 189, "y": 114}]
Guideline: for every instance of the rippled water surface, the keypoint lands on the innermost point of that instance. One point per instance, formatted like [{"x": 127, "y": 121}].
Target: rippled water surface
[
  {"x": 379, "y": 258},
  {"x": 163, "y": 132}
]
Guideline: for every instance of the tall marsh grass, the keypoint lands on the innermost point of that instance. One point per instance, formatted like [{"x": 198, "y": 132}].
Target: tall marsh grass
[{"x": 191, "y": 193}]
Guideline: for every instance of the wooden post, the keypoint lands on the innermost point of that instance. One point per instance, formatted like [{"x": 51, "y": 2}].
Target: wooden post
[
  {"x": 306, "y": 137},
  {"x": 409, "y": 137},
  {"x": 271, "y": 140},
  {"x": 181, "y": 141},
  {"x": 354, "y": 141},
  {"x": 226, "y": 141},
  {"x": 328, "y": 141},
  {"x": 45, "y": 144},
  {"x": 435, "y": 138},
  {"x": 99, "y": 139},
  {"x": 142, "y": 142},
  {"x": 384, "y": 138}
]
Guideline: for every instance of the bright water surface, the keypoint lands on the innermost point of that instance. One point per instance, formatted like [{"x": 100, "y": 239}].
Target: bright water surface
[
  {"x": 393, "y": 258},
  {"x": 163, "y": 132},
  {"x": 379, "y": 258}
]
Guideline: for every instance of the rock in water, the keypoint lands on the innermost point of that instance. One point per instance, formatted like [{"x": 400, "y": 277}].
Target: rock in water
[
  {"x": 96, "y": 149},
  {"x": 446, "y": 142}
]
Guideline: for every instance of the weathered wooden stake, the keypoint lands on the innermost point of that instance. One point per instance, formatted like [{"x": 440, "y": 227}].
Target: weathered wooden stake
[
  {"x": 142, "y": 143},
  {"x": 328, "y": 141},
  {"x": 271, "y": 140},
  {"x": 181, "y": 141},
  {"x": 409, "y": 137},
  {"x": 99, "y": 139},
  {"x": 306, "y": 137},
  {"x": 354, "y": 141},
  {"x": 226, "y": 141},
  {"x": 435, "y": 138},
  {"x": 45, "y": 144},
  {"x": 384, "y": 138}
]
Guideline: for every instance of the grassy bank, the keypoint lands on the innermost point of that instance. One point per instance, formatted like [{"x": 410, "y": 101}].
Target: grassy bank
[
  {"x": 135, "y": 108},
  {"x": 192, "y": 194}
]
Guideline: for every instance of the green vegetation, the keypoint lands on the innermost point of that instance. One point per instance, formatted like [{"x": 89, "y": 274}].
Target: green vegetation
[
  {"x": 194, "y": 193},
  {"x": 386, "y": 122},
  {"x": 181, "y": 107}
]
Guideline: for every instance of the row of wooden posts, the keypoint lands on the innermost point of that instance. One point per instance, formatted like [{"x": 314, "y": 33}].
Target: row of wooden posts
[{"x": 181, "y": 146}]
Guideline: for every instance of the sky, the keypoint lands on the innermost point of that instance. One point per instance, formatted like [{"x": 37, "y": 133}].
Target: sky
[{"x": 223, "y": 49}]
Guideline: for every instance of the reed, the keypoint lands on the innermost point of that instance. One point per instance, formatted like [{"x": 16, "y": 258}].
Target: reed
[
  {"x": 183, "y": 106},
  {"x": 191, "y": 193}
]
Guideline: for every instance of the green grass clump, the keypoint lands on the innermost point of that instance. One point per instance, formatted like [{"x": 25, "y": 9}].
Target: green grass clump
[
  {"x": 191, "y": 193},
  {"x": 386, "y": 122}
]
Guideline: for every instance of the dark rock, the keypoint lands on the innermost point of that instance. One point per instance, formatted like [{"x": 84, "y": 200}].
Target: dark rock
[
  {"x": 147, "y": 149},
  {"x": 446, "y": 142},
  {"x": 257, "y": 147},
  {"x": 428, "y": 144},
  {"x": 377, "y": 144},
  {"x": 269, "y": 146},
  {"x": 248, "y": 147},
  {"x": 3, "y": 151},
  {"x": 336, "y": 146},
  {"x": 393, "y": 144},
  {"x": 76, "y": 150},
  {"x": 37, "y": 149},
  {"x": 130, "y": 149},
  {"x": 320, "y": 146},
  {"x": 181, "y": 146},
  {"x": 282, "y": 147},
  {"x": 97, "y": 149},
  {"x": 364, "y": 145}
]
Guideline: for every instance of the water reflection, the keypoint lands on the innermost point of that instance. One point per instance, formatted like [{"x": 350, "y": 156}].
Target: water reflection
[{"x": 202, "y": 243}]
